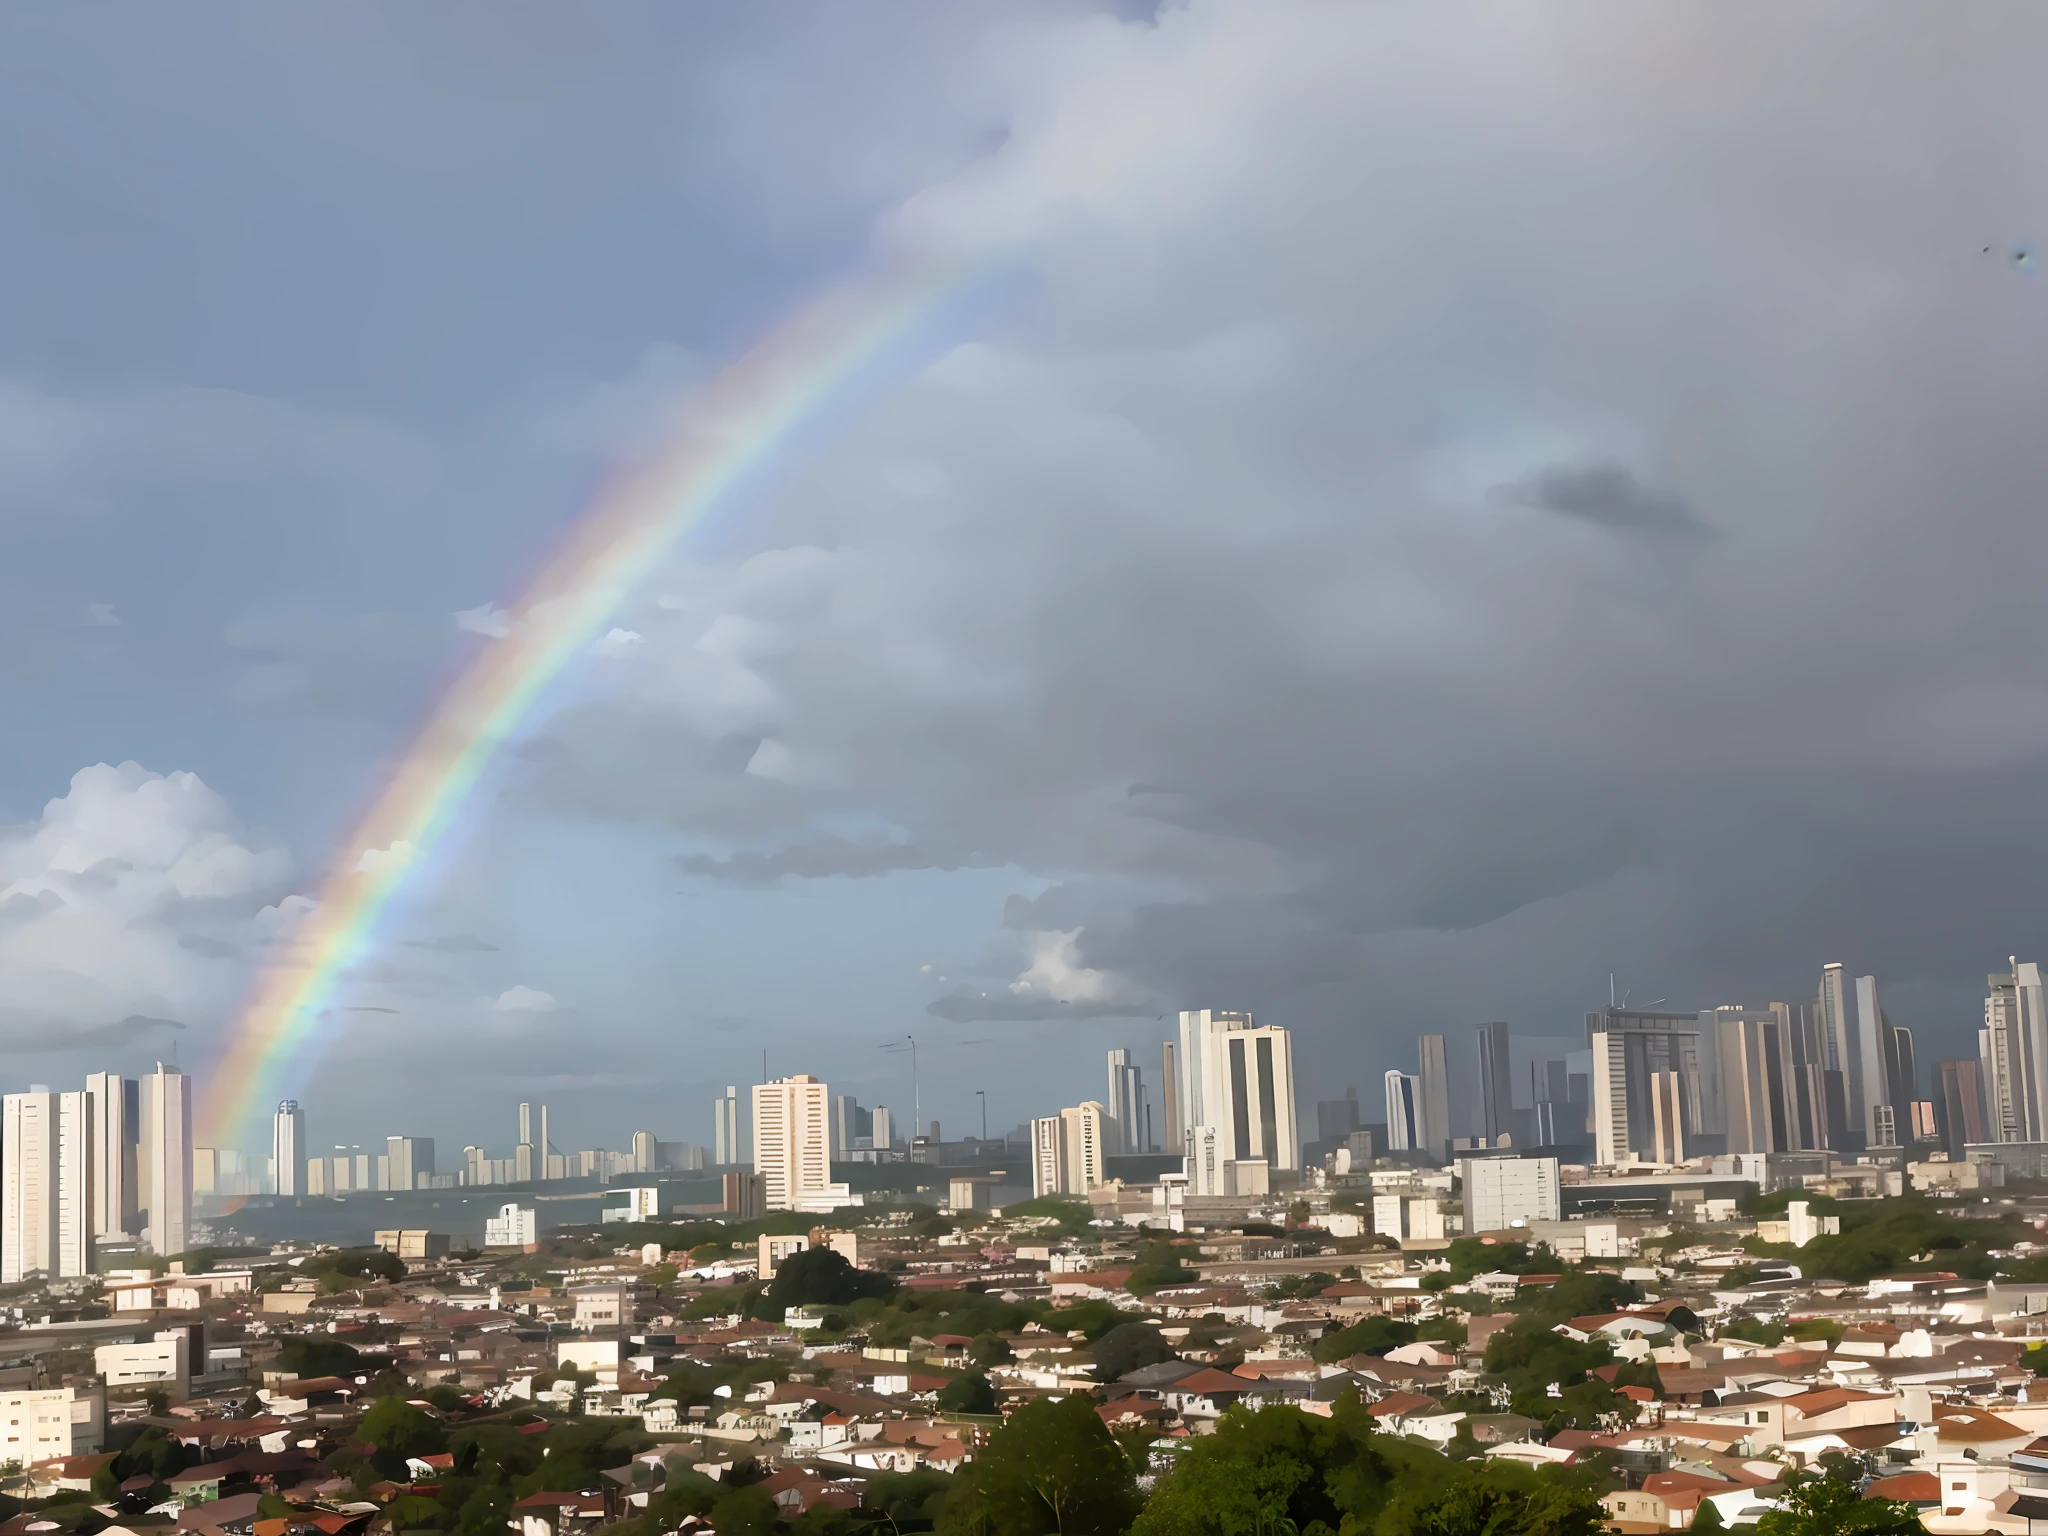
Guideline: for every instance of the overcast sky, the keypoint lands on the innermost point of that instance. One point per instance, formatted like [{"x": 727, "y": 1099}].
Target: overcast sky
[{"x": 1464, "y": 500}]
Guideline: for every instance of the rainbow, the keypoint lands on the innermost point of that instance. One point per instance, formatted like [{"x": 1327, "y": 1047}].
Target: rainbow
[{"x": 831, "y": 349}]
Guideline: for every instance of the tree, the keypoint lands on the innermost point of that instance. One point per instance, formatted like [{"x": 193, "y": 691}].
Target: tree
[
  {"x": 968, "y": 1394},
  {"x": 316, "y": 1354},
  {"x": 1374, "y": 1336},
  {"x": 820, "y": 1277},
  {"x": 1129, "y": 1347},
  {"x": 1707, "y": 1518},
  {"x": 1274, "y": 1471},
  {"x": 745, "y": 1512},
  {"x": 1053, "y": 1468},
  {"x": 398, "y": 1430},
  {"x": 1827, "y": 1506},
  {"x": 1494, "y": 1498}
]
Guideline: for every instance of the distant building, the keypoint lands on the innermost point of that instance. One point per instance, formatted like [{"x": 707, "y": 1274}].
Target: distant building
[
  {"x": 408, "y": 1159},
  {"x": 1404, "y": 1121},
  {"x": 514, "y": 1226},
  {"x": 725, "y": 1128},
  {"x": 741, "y": 1196},
  {"x": 46, "y": 1215},
  {"x": 1758, "y": 1083},
  {"x": 116, "y": 1125},
  {"x": 164, "y": 1160},
  {"x": 793, "y": 1147},
  {"x": 2013, "y": 1055},
  {"x": 1067, "y": 1150},
  {"x": 55, "y": 1422},
  {"x": 1504, "y": 1192},
  {"x": 1238, "y": 1077},
  {"x": 415, "y": 1244},
  {"x": 1124, "y": 1121},
  {"x": 1169, "y": 1090},
  {"x": 1433, "y": 1096},
  {"x": 1496, "y": 1091},
  {"x": 1959, "y": 1110},
  {"x": 288, "y": 1149},
  {"x": 1631, "y": 1049}
]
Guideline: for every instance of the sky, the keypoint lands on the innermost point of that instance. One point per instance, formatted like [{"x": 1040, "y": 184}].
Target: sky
[{"x": 1451, "y": 505}]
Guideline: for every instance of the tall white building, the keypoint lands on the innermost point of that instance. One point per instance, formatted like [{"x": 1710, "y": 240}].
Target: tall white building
[
  {"x": 2012, "y": 1051},
  {"x": 882, "y": 1128},
  {"x": 46, "y": 1215},
  {"x": 1873, "y": 1035},
  {"x": 1067, "y": 1150},
  {"x": 1404, "y": 1125},
  {"x": 1237, "y": 1076},
  {"x": 1125, "y": 1126},
  {"x": 288, "y": 1149},
  {"x": 164, "y": 1160},
  {"x": 725, "y": 1127},
  {"x": 116, "y": 1122},
  {"x": 793, "y": 1145},
  {"x": 406, "y": 1159}
]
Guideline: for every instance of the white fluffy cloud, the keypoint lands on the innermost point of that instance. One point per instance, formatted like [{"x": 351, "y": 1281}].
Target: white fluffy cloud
[
  {"x": 524, "y": 999},
  {"x": 124, "y": 905}
]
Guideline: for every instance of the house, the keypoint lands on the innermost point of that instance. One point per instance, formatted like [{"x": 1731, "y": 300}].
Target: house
[{"x": 557, "y": 1514}]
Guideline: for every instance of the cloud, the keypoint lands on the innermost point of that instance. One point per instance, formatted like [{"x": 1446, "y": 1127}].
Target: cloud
[
  {"x": 619, "y": 642},
  {"x": 817, "y": 859},
  {"x": 453, "y": 944},
  {"x": 488, "y": 620},
  {"x": 1055, "y": 984},
  {"x": 101, "y": 616},
  {"x": 524, "y": 999},
  {"x": 118, "y": 905},
  {"x": 375, "y": 860},
  {"x": 1608, "y": 496}
]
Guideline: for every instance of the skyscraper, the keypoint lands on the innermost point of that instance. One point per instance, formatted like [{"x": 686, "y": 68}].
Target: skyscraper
[
  {"x": 881, "y": 1129},
  {"x": 1169, "y": 1088},
  {"x": 288, "y": 1148},
  {"x": 793, "y": 1145},
  {"x": 1238, "y": 1076},
  {"x": 1873, "y": 1049},
  {"x": 1404, "y": 1121},
  {"x": 1961, "y": 1107},
  {"x": 1757, "y": 1084},
  {"x": 46, "y": 1216},
  {"x": 1433, "y": 1100},
  {"x": 1496, "y": 1093},
  {"x": 116, "y": 1123},
  {"x": 1630, "y": 1047},
  {"x": 1067, "y": 1150},
  {"x": 1124, "y": 1130},
  {"x": 164, "y": 1160},
  {"x": 1902, "y": 1080},
  {"x": 845, "y": 1125},
  {"x": 1337, "y": 1118},
  {"x": 524, "y": 1164},
  {"x": 2013, "y": 1051},
  {"x": 725, "y": 1127},
  {"x": 407, "y": 1159}
]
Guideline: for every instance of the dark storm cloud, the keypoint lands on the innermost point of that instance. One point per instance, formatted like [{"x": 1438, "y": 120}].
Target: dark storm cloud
[
  {"x": 817, "y": 859},
  {"x": 1607, "y": 496}
]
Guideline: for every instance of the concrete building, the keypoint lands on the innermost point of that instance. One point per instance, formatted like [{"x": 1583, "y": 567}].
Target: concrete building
[
  {"x": 1067, "y": 1150},
  {"x": 170, "y": 1360},
  {"x": 43, "y": 1424},
  {"x": 116, "y": 1124},
  {"x": 408, "y": 1159},
  {"x": 741, "y": 1195},
  {"x": 1204, "y": 1161},
  {"x": 1631, "y": 1047},
  {"x": 288, "y": 1149},
  {"x": 46, "y": 1213},
  {"x": 1496, "y": 1093},
  {"x": 1758, "y": 1083},
  {"x": 1124, "y": 1118},
  {"x": 1959, "y": 1107},
  {"x": 774, "y": 1247},
  {"x": 1171, "y": 1122},
  {"x": 1503, "y": 1192},
  {"x": 164, "y": 1160},
  {"x": 514, "y": 1226},
  {"x": 793, "y": 1145},
  {"x": 1238, "y": 1076},
  {"x": 2013, "y": 1055},
  {"x": 1433, "y": 1096},
  {"x": 1404, "y": 1128}
]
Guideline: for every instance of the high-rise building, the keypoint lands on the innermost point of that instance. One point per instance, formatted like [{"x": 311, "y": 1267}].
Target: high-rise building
[
  {"x": 1404, "y": 1122},
  {"x": 409, "y": 1159},
  {"x": 1208, "y": 1169},
  {"x": 1757, "y": 1081},
  {"x": 546, "y": 1165},
  {"x": 1067, "y": 1150},
  {"x": 1902, "y": 1081},
  {"x": 1169, "y": 1089},
  {"x": 845, "y": 1125},
  {"x": 1124, "y": 1128},
  {"x": 46, "y": 1215},
  {"x": 1433, "y": 1105},
  {"x": 1959, "y": 1110},
  {"x": 1856, "y": 1038},
  {"x": 2013, "y": 1053},
  {"x": 288, "y": 1149},
  {"x": 1667, "y": 1118},
  {"x": 793, "y": 1145},
  {"x": 524, "y": 1163},
  {"x": 725, "y": 1127},
  {"x": 881, "y": 1129},
  {"x": 116, "y": 1122},
  {"x": 1630, "y": 1047},
  {"x": 164, "y": 1161},
  {"x": 646, "y": 1152},
  {"x": 1496, "y": 1093},
  {"x": 1238, "y": 1076}
]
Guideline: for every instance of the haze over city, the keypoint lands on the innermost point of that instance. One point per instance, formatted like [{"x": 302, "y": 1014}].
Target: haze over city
[{"x": 1412, "y": 531}]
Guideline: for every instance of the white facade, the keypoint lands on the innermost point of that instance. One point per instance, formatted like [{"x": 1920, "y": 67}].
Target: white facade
[
  {"x": 1433, "y": 1095},
  {"x": 116, "y": 1124},
  {"x": 793, "y": 1145},
  {"x": 1067, "y": 1150},
  {"x": 46, "y": 1214},
  {"x": 1238, "y": 1076},
  {"x": 164, "y": 1160},
  {"x": 2013, "y": 1053},
  {"x": 49, "y": 1422},
  {"x": 1879, "y": 1121},
  {"x": 1504, "y": 1192},
  {"x": 1610, "y": 1100},
  {"x": 1048, "y": 1157},
  {"x": 1404, "y": 1130},
  {"x": 288, "y": 1149},
  {"x": 165, "y": 1358},
  {"x": 1204, "y": 1161},
  {"x": 514, "y": 1226}
]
